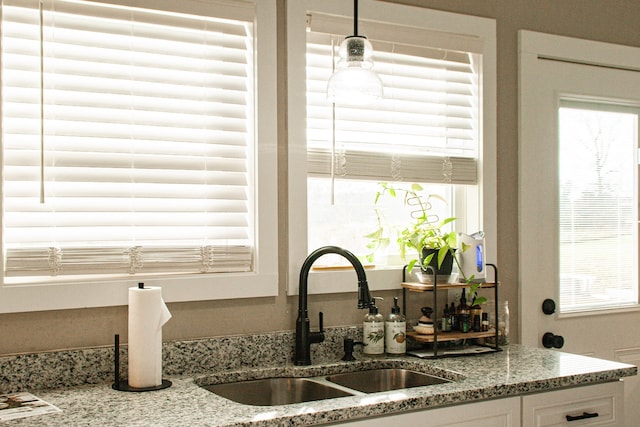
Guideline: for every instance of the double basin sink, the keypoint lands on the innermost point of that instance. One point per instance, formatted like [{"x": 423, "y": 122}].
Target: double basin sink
[{"x": 283, "y": 390}]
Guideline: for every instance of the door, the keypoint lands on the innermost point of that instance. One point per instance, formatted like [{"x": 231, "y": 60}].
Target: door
[{"x": 578, "y": 198}]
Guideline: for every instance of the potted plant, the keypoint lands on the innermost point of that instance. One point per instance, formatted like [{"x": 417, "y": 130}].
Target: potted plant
[{"x": 424, "y": 234}]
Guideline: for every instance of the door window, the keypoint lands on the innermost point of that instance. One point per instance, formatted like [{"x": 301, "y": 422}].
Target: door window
[{"x": 598, "y": 205}]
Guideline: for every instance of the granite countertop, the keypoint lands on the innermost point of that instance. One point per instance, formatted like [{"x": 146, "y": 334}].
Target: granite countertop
[{"x": 513, "y": 371}]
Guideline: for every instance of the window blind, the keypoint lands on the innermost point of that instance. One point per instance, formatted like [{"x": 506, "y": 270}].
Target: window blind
[
  {"x": 424, "y": 130},
  {"x": 597, "y": 205},
  {"x": 148, "y": 138}
]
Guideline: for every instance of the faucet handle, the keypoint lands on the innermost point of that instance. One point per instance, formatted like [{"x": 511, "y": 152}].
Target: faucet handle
[{"x": 318, "y": 337}]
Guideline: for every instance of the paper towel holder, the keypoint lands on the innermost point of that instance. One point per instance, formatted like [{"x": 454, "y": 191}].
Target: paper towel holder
[{"x": 123, "y": 384}]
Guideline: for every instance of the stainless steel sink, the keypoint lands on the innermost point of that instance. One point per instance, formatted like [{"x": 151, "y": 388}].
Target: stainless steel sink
[
  {"x": 378, "y": 380},
  {"x": 275, "y": 391}
]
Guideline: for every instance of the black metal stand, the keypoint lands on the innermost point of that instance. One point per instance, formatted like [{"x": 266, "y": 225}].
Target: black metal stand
[
  {"x": 123, "y": 385},
  {"x": 495, "y": 347}
]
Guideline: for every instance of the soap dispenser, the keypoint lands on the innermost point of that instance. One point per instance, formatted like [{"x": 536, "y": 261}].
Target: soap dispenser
[
  {"x": 373, "y": 330},
  {"x": 395, "y": 329}
]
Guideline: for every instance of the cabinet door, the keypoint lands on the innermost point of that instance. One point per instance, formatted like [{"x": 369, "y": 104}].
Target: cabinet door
[
  {"x": 596, "y": 405},
  {"x": 492, "y": 413}
]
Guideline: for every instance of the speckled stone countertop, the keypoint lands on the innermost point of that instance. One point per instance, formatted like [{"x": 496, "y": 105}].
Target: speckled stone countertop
[{"x": 516, "y": 370}]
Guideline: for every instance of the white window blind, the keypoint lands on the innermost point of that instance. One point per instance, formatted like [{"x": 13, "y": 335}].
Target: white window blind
[
  {"x": 598, "y": 205},
  {"x": 148, "y": 140},
  {"x": 424, "y": 130}
]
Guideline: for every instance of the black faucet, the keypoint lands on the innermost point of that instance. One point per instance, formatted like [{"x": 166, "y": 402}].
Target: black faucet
[{"x": 304, "y": 337}]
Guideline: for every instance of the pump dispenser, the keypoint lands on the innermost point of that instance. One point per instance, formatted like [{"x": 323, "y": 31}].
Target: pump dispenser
[
  {"x": 373, "y": 330},
  {"x": 395, "y": 329}
]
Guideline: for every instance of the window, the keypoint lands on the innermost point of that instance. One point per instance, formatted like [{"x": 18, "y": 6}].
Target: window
[
  {"x": 140, "y": 156},
  {"x": 598, "y": 185},
  {"x": 435, "y": 126}
]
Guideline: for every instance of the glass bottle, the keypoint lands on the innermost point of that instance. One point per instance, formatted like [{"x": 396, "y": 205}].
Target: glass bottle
[
  {"x": 503, "y": 323},
  {"x": 464, "y": 314},
  {"x": 477, "y": 324},
  {"x": 484, "y": 324},
  {"x": 446, "y": 319},
  {"x": 476, "y": 314},
  {"x": 395, "y": 331},
  {"x": 454, "y": 317},
  {"x": 373, "y": 331}
]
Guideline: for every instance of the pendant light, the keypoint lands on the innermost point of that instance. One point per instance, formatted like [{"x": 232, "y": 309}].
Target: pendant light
[{"x": 354, "y": 82}]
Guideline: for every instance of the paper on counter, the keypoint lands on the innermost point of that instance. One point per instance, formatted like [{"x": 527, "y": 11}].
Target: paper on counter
[{"x": 21, "y": 405}]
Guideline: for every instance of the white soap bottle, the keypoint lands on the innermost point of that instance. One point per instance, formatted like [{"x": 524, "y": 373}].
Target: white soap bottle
[
  {"x": 373, "y": 331},
  {"x": 395, "y": 331}
]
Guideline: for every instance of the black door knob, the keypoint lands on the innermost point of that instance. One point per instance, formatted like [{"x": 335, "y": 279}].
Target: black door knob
[
  {"x": 548, "y": 306},
  {"x": 550, "y": 340}
]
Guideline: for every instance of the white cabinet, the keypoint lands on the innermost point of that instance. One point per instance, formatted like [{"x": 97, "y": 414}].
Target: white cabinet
[
  {"x": 492, "y": 413},
  {"x": 595, "y": 405}
]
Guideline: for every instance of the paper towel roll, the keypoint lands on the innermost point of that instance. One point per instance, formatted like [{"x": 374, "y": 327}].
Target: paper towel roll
[{"x": 147, "y": 314}]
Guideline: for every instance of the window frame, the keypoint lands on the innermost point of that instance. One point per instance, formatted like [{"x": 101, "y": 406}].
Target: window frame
[
  {"x": 482, "y": 29},
  {"x": 53, "y": 294}
]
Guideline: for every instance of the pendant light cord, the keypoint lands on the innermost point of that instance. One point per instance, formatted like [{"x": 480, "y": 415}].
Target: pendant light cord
[
  {"x": 333, "y": 132},
  {"x": 355, "y": 17},
  {"x": 41, "y": 22}
]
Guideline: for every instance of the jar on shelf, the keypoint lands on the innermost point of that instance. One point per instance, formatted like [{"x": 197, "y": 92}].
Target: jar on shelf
[
  {"x": 476, "y": 318},
  {"x": 503, "y": 323}
]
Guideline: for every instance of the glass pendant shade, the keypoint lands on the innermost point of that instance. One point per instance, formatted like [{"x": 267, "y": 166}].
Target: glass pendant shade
[{"x": 354, "y": 82}]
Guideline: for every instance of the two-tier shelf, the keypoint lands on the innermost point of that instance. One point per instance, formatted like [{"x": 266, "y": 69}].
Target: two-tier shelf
[{"x": 440, "y": 336}]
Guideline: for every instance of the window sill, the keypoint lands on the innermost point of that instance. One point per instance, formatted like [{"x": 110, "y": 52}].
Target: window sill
[
  {"x": 617, "y": 309},
  {"x": 43, "y": 296},
  {"x": 338, "y": 281}
]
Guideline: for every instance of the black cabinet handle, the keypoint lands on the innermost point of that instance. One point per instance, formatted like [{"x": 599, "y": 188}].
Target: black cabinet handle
[{"x": 584, "y": 416}]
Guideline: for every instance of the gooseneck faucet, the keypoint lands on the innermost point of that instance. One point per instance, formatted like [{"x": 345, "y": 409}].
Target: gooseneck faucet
[{"x": 304, "y": 337}]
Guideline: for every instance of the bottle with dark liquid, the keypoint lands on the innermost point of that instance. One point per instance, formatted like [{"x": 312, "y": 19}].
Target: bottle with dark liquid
[
  {"x": 464, "y": 314},
  {"x": 446, "y": 319},
  {"x": 454, "y": 317}
]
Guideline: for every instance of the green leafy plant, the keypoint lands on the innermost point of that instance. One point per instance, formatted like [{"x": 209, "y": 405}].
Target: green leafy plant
[
  {"x": 423, "y": 231},
  {"x": 473, "y": 291}
]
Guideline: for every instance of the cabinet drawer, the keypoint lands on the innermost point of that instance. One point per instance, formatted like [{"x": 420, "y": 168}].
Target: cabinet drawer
[
  {"x": 492, "y": 413},
  {"x": 596, "y": 405}
]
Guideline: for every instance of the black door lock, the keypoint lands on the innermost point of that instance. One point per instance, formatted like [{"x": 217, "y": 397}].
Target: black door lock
[
  {"x": 548, "y": 306},
  {"x": 550, "y": 340}
]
